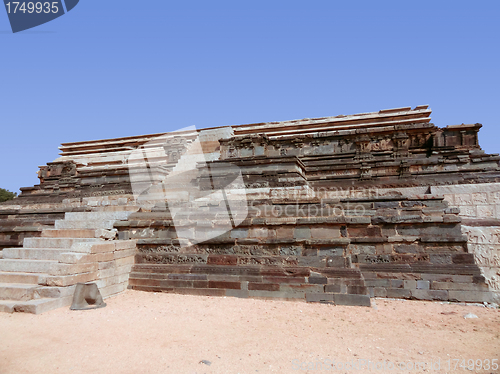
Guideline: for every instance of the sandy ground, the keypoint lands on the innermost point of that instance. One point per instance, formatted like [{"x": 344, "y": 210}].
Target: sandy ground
[{"x": 141, "y": 332}]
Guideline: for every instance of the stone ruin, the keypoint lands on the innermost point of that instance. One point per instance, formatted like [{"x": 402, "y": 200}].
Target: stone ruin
[{"x": 336, "y": 210}]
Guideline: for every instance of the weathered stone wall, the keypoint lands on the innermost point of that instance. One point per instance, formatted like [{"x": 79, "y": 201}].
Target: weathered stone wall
[
  {"x": 401, "y": 247},
  {"x": 424, "y": 225},
  {"x": 27, "y": 218},
  {"x": 479, "y": 206}
]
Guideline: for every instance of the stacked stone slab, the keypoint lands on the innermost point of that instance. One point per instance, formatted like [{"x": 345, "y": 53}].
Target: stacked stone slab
[
  {"x": 348, "y": 247},
  {"x": 477, "y": 205},
  {"x": 426, "y": 224},
  {"x": 19, "y": 222},
  {"x": 42, "y": 274}
]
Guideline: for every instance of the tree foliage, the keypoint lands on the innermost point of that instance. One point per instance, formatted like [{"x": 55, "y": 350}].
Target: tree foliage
[{"x": 6, "y": 195}]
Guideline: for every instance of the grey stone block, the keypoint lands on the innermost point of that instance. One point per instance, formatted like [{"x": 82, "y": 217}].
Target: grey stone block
[
  {"x": 397, "y": 283},
  {"x": 423, "y": 285},
  {"x": 410, "y": 284},
  {"x": 470, "y": 296},
  {"x": 440, "y": 259},
  {"x": 377, "y": 282},
  {"x": 318, "y": 280},
  {"x": 312, "y": 261},
  {"x": 318, "y": 297},
  {"x": 277, "y": 294},
  {"x": 379, "y": 292},
  {"x": 451, "y": 286},
  {"x": 398, "y": 293},
  {"x": 386, "y": 205},
  {"x": 302, "y": 233},
  {"x": 309, "y": 288},
  {"x": 440, "y": 295},
  {"x": 242, "y": 294},
  {"x": 334, "y": 288},
  {"x": 352, "y": 300},
  {"x": 239, "y": 233},
  {"x": 123, "y": 235},
  {"x": 453, "y": 210}
]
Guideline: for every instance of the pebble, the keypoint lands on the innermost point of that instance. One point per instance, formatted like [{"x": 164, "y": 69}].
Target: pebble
[{"x": 470, "y": 316}]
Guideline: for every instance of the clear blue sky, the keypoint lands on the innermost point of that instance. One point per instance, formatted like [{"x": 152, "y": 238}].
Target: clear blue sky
[{"x": 112, "y": 68}]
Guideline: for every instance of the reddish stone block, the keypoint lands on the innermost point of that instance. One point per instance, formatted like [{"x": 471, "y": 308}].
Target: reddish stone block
[
  {"x": 463, "y": 258},
  {"x": 151, "y": 288},
  {"x": 222, "y": 260},
  {"x": 226, "y": 285},
  {"x": 172, "y": 283},
  {"x": 284, "y": 233},
  {"x": 339, "y": 272},
  {"x": 227, "y": 270},
  {"x": 200, "y": 284},
  {"x": 263, "y": 286},
  {"x": 364, "y": 232},
  {"x": 325, "y": 232},
  {"x": 162, "y": 268},
  {"x": 286, "y": 272},
  {"x": 187, "y": 276}
]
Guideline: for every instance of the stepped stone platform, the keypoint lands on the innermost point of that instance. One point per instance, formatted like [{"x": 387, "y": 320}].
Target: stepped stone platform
[
  {"x": 334, "y": 210},
  {"x": 43, "y": 273}
]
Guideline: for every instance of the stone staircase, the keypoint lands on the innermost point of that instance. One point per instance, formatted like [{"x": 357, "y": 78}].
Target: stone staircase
[{"x": 42, "y": 275}]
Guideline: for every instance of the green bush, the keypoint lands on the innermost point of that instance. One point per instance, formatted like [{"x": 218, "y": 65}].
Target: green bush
[{"x": 6, "y": 195}]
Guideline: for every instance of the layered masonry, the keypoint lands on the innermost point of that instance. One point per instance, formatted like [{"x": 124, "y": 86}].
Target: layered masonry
[
  {"x": 335, "y": 209},
  {"x": 43, "y": 273},
  {"x": 320, "y": 249}
]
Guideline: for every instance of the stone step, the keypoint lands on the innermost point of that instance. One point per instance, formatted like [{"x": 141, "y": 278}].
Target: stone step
[
  {"x": 68, "y": 233},
  {"x": 44, "y": 292},
  {"x": 69, "y": 280},
  {"x": 7, "y": 306},
  {"x": 27, "y": 266},
  {"x": 34, "y": 306},
  {"x": 49, "y": 267},
  {"x": 84, "y": 225},
  {"x": 52, "y": 254},
  {"x": 71, "y": 269},
  {"x": 97, "y": 216},
  {"x": 17, "y": 291},
  {"x": 117, "y": 208},
  {"x": 25, "y": 278},
  {"x": 56, "y": 242}
]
